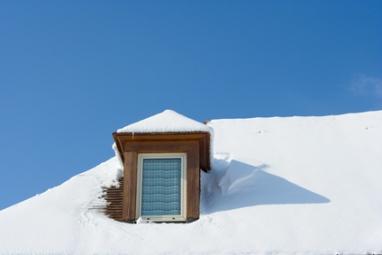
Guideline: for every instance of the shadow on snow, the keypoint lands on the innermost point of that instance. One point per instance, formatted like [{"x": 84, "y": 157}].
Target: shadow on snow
[{"x": 243, "y": 185}]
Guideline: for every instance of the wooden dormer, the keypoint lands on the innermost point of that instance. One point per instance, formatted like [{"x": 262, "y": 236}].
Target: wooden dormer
[{"x": 162, "y": 157}]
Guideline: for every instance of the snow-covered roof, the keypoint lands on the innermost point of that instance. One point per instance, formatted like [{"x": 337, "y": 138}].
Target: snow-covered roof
[
  {"x": 166, "y": 121},
  {"x": 279, "y": 186}
]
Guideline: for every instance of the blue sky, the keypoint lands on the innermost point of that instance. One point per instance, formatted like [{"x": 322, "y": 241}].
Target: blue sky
[{"x": 73, "y": 72}]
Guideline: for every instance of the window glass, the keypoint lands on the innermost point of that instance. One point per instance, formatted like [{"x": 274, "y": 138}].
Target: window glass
[{"x": 161, "y": 186}]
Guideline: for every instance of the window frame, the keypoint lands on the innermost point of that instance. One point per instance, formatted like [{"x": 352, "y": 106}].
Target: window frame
[{"x": 183, "y": 189}]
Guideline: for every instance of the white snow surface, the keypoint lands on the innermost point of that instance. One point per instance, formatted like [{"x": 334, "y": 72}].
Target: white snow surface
[
  {"x": 166, "y": 121},
  {"x": 293, "y": 185}
]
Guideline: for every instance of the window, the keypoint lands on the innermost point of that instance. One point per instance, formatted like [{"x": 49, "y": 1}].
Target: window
[{"x": 161, "y": 186}]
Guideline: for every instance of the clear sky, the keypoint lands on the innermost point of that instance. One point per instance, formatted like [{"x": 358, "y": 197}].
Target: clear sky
[{"x": 73, "y": 72}]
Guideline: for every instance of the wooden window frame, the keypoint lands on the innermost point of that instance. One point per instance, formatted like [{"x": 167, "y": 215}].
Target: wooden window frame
[{"x": 163, "y": 218}]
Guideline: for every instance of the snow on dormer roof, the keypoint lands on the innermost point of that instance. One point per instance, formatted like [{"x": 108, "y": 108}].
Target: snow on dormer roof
[{"x": 166, "y": 121}]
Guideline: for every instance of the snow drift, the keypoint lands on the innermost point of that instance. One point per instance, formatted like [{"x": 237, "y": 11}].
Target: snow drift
[{"x": 293, "y": 185}]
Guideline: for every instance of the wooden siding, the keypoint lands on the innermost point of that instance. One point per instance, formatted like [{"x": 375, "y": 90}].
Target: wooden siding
[
  {"x": 193, "y": 184},
  {"x": 130, "y": 186},
  {"x": 114, "y": 199},
  {"x": 202, "y": 138}
]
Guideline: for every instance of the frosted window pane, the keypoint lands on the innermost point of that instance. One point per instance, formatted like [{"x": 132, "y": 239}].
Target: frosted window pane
[{"x": 161, "y": 185}]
